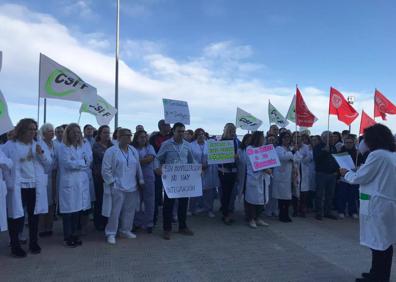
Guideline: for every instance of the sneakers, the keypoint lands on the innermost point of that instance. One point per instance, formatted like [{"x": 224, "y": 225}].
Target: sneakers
[
  {"x": 70, "y": 243},
  {"x": 341, "y": 216},
  {"x": 186, "y": 231},
  {"x": 18, "y": 252},
  {"x": 111, "y": 239},
  {"x": 355, "y": 216},
  {"x": 252, "y": 224},
  {"x": 211, "y": 215},
  {"x": 166, "y": 235},
  {"x": 35, "y": 248},
  {"x": 127, "y": 234},
  {"x": 261, "y": 222}
]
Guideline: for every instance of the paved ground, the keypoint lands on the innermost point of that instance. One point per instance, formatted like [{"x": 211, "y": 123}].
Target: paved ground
[{"x": 305, "y": 250}]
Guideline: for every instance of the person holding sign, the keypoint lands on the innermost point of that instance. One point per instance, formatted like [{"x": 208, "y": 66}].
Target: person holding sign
[
  {"x": 228, "y": 175},
  {"x": 122, "y": 175},
  {"x": 282, "y": 177},
  {"x": 175, "y": 151},
  {"x": 257, "y": 183},
  {"x": 377, "y": 179}
]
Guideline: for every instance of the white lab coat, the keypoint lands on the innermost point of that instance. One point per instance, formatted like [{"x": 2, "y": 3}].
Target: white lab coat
[
  {"x": 73, "y": 179},
  {"x": 5, "y": 165},
  {"x": 13, "y": 181},
  {"x": 88, "y": 152},
  {"x": 210, "y": 176},
  {"x": 257, "y": 184},
  {"x": 282, "y": 175},
  {"x": 304, "y": 158},
  {"x": 113, "y": 164},
  {"x": 51, "y": 166},
  {"x": 377, "y": 179}
]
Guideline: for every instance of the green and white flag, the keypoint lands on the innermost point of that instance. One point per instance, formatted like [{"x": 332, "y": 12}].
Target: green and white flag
[
  {"x": 5, "y": 121},
  {"x": 247, "y": 121},
  {"x": 58, "y": 82},
  {"x": 291, "y": 113},
  {"x": 275, "y": 116},
  {"x": 103, "y": 111}
]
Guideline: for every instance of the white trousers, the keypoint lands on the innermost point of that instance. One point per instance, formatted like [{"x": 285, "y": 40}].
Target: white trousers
[{"x": 123, "y": 207}]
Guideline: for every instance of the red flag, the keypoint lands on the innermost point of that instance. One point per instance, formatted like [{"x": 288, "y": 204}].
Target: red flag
[
  {"x": 366, "y": 121},
  {"x": 303, "y": 115},
  {"x": 340, "y": 107},
  {"x": 382, "y": 106}
]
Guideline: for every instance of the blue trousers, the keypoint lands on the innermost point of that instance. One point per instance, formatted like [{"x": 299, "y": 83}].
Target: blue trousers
[{"x": 347, "y": 194}]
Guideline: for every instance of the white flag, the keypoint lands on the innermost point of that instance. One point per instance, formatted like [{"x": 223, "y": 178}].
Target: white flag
[
  {"x": 291, "y": 113},
  {"x": 275, "y": 116},
  {"x": 247, "y": 121},
  {"x": 176, "y": 111},
  {"x": 5, "y": 121},
  {"x": 103, "y": 111},
  {"x": 58, "y": 82}
]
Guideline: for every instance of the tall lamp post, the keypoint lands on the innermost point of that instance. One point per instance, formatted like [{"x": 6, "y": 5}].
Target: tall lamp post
[
  {"x": 351, "y": 101},
  {"x": 116, "y": 64}
]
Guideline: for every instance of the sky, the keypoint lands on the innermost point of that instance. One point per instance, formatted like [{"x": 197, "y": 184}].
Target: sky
[{"x": 215, "y": 54}]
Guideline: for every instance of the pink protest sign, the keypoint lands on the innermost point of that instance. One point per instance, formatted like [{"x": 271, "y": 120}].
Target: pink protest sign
[{"x": 263, "y": 157}]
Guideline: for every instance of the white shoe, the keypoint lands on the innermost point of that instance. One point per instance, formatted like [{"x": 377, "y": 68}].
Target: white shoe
[
  {"x": 261, "y": 222},
  {"x": 252, "y": 224},
  {"x": 111, "y": 239},
  {"x": 355, "y": 216},
  {"x": 127, "y": 234},
  {"x": 341, "y": 216},
  {"x": 211, "y": 214}
]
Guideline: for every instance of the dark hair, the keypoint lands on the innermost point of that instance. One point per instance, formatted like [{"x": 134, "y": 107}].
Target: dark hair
[
  {"x": 115, "y": 136},
  {"x": 338, "y": 135},
  {"x": 281, "y": 136},
  {"x": 176, "y": 125},
  {"x": 197, "y": 131},
  {"x": 135, "y": 137},
  {"x": 22, "y": 127},
  {"x": 245, "y": 140},
  {"x": 379, "y": 137},
  {"x": 3, "y": 138},
  {"x": 257, "y": 136},
  {"x": 97, "y": 139},
  {"x": 345, "y": 132},
  {"x": 85, "y": 126}
]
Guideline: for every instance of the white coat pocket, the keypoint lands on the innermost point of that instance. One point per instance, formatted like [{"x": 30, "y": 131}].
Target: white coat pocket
[{"x": 364, "y": 204}]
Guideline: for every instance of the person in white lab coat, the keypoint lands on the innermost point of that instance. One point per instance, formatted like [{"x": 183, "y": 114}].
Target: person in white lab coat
[
  {"x": 26, "y": 185},
  {"x": 5, "y": 165},
  {"x": 257, "y": 185},
  {"x": 123, "y": 177},
  {"x": 74, "y": 194},
  {"x": 377, "y": 179},
  {"x": 84, "y": 215},
  {"x": 282, "y": 177},
  {"x": 46, "y": 143}
]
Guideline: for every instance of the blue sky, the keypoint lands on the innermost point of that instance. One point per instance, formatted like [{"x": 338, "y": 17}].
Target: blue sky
[{"x": 216, "y": 54}]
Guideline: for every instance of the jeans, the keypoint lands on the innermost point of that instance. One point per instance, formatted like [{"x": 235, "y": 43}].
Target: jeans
[
  {"x": 15, "y": 225},
  {"x": 347, "y": 194},
  {"x": 181, "y": 212},
  {"x": 70, "y": 225},
  {"x": 325, "y": 187},
  {"x": 227, "y": 182},
  {"x": 158, "y": 197}
]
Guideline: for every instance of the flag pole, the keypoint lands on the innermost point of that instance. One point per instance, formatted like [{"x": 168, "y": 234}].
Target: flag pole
[
  {"x": 45, "y": 110},
  {"x": 328, "y": 124},
  {"x": 116, "y": 63},
  {"x": 38, "y": 96}
]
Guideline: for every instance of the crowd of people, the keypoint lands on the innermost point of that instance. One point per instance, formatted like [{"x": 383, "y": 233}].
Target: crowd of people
[{"x": 115, "y": 180}]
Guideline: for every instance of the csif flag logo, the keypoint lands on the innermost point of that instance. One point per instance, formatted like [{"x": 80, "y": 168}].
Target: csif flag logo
[
  {"x": 63, "y": 82},
  {"x": 2, "y": 108}
]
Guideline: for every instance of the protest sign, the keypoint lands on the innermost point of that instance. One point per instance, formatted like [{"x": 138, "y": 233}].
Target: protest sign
[
  {"x": 263, "y": 157},
  {"x": 176, "y": 111},
  {"x": 182, "y": 180},
  {"x": 344, "y": 160},
  {"x": 221, "y": 152}
]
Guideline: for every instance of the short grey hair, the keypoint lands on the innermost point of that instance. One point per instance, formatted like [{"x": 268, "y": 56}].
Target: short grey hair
[{"x": 45, "y": 127}]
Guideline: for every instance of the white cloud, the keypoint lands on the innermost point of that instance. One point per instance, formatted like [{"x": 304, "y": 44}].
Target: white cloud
[
  {"x": 214, "y": 83},
  {"x": 82, "y": 8}
]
